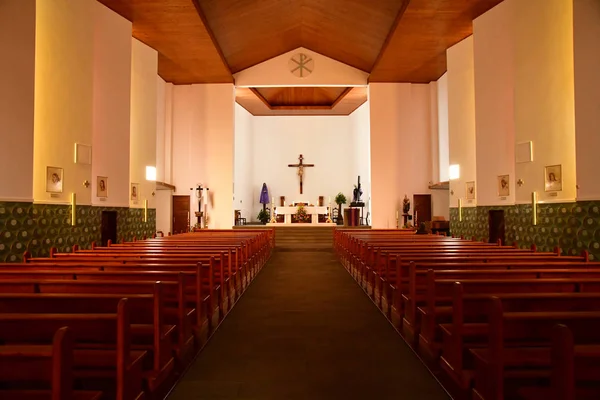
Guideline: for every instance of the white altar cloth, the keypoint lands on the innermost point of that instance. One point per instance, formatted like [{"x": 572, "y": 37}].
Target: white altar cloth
[{"x": 310, "y": 210}]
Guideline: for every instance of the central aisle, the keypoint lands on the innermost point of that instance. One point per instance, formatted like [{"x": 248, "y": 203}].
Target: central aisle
[{"x": 305, "y": 330}]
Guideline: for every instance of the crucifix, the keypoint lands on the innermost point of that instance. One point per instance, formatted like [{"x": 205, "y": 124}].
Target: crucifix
[{"x": 300, "y": 167}]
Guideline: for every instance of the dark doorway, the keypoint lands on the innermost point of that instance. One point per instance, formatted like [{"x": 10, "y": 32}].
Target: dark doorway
[
  {"x": 181, "y": 214},
  {"x": 496, "y": 222},
  {"x": 108, "y": 229},
  {"x": 422, "y": 208}
]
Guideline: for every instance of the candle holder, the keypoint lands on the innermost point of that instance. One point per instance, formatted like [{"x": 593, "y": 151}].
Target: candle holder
[
  {"x": 329, "y": 221},
  {"x": 397, "y": 223},
  {"x": 273, "y": 217}
]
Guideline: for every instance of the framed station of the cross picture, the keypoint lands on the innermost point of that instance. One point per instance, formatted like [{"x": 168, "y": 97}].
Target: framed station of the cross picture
[
  {"x": 470, "y": 190},
  {"x": 553, "y": 178}
]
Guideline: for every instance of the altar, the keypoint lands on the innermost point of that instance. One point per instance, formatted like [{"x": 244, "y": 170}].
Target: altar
[{"x": 288, "y": 211}]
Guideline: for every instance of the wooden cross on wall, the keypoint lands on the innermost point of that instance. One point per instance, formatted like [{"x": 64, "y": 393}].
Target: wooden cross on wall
[{"x": 300, "y": 167}]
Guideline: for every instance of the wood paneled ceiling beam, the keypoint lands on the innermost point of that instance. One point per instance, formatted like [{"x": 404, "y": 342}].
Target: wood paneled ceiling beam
[
  {"x": 341, "y": 97},
  {"x": 391, "y": 33},
  {"x": 211, "y": 35}
]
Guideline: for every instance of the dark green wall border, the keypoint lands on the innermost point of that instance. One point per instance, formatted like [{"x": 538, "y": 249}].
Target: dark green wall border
[
  {"x": 572, "y": 226},
  {"x": 38, "y": 227}
]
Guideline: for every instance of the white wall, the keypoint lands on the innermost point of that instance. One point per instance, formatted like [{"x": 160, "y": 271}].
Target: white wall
[
  {"x": 164, "y": 211},
  {"x": 164, "y": 130},
  {"x": 461, "y": 118},
  {"x": 244, "y": 155},
  {"x": 360, "y": 125},
  {"x": 544, "y": 95},
  {"x": 144, "y": 66},
  {"x": 17, "y": 73},
  {"x": 112, "y": 89},
  {"x": 203, "y": 134},
  {"x": 493, "y": 47},
  {"x": 400, "y": 147},
  {"x": 587, "y": 96},
  {"x": 276, "y": 72},
  {"x": 161, "y": 110},
  {"x": 325, "y": 141},
  {"x": 63, "y": 95},
  {"x": 442, "y": 118}
]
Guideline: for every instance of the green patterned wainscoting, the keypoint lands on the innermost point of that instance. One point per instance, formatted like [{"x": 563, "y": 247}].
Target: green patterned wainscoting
[
  {"x": 38, "y": 227},
  {"x": 572, "y": 226}
]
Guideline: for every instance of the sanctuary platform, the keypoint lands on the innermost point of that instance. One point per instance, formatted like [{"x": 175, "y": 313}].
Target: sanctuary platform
[{"x": 301, "y": 237}]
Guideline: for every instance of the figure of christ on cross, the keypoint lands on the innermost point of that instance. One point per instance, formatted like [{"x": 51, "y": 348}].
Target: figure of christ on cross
[{"x": 300, "y": 167}]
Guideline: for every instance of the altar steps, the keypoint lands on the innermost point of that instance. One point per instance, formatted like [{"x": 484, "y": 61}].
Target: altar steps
[{"x": 303, "y": 238}]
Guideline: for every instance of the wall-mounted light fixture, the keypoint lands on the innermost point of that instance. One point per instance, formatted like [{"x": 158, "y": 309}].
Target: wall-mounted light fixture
[
  {"x": 150, "y": 173},
  {"x": 460, "y": 210},
  {"x": 146, "y": 210},
  {"x": 534, "y": 201},
  {"x": 454, "y": 171},
  {"x": 73, "y": 209}
]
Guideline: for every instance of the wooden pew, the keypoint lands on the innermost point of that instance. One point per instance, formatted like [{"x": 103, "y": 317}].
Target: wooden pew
[
  {"x": 174, "y": 331},
  {"x": 41, "y": 372},
  {"x": 468, "y": 325},
  {"x": 391, "y": 295},
  {"x": 150, "y": 332},
  {"x": 575, "y": 370},
  {"x": 439, "y": 292},
  {"x": 519, "y": 348},
  {"x": 103, "y": 359}
]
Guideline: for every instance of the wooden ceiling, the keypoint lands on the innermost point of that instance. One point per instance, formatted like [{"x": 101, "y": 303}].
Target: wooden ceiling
[
  {"x": 416, "y": 51},
  {"x": 350, "y": 31},
  {"x": 301, "y": 96},
  {"x": 206, "y": 41},
  {"x": 301, "y": 100}
]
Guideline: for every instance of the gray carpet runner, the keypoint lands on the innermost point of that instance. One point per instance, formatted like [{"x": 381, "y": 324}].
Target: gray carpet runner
[{"x": 305, "y": 330}]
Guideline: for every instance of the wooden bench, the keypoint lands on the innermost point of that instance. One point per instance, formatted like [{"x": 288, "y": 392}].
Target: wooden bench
[
  {"x": 150, "y": 331},
  {"x": 518, "y": 352},
  {"x": 467, "y": 326},
  {"x": 41, "y": 372},
  {"x": 103, "y": 359},
  {"x": 575, "y": 373},
  {"x": 439, "y": 293}
]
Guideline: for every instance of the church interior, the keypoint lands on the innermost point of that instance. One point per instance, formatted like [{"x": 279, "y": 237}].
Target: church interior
[{"x": 310, "y": 199}]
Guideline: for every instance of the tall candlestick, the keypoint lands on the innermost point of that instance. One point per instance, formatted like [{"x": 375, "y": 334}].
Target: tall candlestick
[{"x": 396, "y": 214}]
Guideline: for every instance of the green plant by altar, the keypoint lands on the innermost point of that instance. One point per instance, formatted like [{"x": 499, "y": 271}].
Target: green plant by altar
[{"x": 340, "y": 199}]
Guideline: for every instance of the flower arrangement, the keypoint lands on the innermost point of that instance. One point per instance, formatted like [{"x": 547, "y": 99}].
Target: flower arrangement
[{"x": 302, "y": 215}]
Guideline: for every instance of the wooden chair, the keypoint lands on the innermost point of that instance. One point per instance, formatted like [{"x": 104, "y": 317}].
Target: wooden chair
[{"x": 239, "y": 220}]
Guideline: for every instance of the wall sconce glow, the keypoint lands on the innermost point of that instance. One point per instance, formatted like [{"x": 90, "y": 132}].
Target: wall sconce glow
[
  {"x": 145, "y": 210},
  {"x": 150, "y": 173},
  {"x": 534, "y": 202},
  {"x": 73, "y": 210},
  {"x": 454, "y": 172}
]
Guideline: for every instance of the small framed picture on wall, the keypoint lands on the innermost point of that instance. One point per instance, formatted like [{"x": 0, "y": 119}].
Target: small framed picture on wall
[
  {"x": 135, "y": 191},
  {"x": 503, "y": 185},
  {"x": 470, "y": 190},
  {"x": 54, "y": 180},
  {"x": 553, "y": 178},
  {"x": 102, "y": 186}
]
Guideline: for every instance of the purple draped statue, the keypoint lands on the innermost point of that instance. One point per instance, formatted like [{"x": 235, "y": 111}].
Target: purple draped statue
[{"x": 264, "y": 196}]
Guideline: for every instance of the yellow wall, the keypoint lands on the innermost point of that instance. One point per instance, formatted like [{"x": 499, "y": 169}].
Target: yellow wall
[
  {"x": 461, "y": 118},
  {"x": 493, "y": 50},
  {"x": 63, "y": 94},
  {"x": 112, "y": 87},
  {"x": 544, "y": 94},
  {"x": 587, "y": 96},
  {"x": 17, "y": 73},
  {"x": 144, "y": 64}
]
